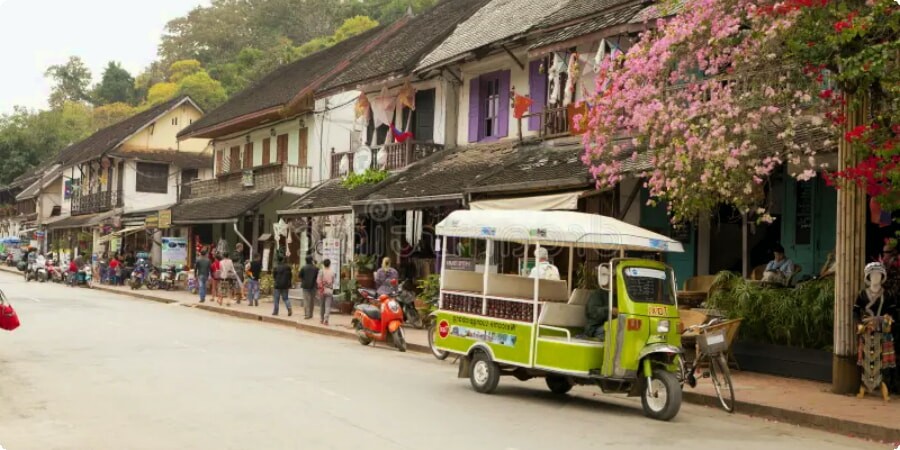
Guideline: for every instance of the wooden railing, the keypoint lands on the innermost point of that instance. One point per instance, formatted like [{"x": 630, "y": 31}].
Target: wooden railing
[
  {"x": 297, "y": 176},
  {"x": 554, "y": 122},
  {"x": 95, "y": 202},
  {"x": 264, "y": 177},
  {"x": 397, "y": 156}
]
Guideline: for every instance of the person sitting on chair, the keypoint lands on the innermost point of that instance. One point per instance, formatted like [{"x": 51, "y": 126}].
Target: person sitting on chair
[
  {"x": 780, "y": 269},
  {"x": 544, "y": 269},
  {"x": 597, "y": 309}
]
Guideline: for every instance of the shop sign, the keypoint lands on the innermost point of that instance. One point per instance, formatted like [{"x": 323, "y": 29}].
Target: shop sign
[
  {"x": 151, "y": 221},
  {"x": 165, "y": 219},
  {"x": 331, "y": 250},
  {"x": 174, "y": 251},
  {"x": 247, "y": 178},
  {"x": 458, "y": 263}
]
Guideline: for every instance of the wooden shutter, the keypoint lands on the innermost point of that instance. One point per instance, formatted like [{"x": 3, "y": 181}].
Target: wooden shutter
[
  {"x": 282, "y": 149},
  {"x": 474, "y": 110},
  {"x": 234, "y": 159},
  {"x": 304, "y": 147},
  {"x": 219, "y": 162},
  {"x": 423, "y": 125},
  {"x": 503, "y": 113},
  {"x": 266, "y": 156},
  {"x": 537, "y": 89},
  {"x": 248, "y": 155}
]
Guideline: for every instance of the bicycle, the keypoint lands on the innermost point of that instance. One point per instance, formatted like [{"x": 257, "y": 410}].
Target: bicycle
[{"x": 712, "y": 343}]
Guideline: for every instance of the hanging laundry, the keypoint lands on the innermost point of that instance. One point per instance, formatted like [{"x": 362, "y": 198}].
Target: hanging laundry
[
  {"x": 554, "y": 76},
  {"x": 601, "y": 54},
  {"x": 407, "y": 96},
  {"x": 362, "y": 106},
  {"x": 574, "y": 74},
  {"x": 521, "y": 106},
  {"x": 400, "y": 137},
  {"x": 383, "y": 108}
]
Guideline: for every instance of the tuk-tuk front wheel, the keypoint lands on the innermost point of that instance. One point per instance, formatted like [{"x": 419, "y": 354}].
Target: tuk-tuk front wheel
[
  {"x": 559, "y": 385},
  {"x": 439, "y": 354},
  {"x": 661, "y": 398},
  {"x": 484, "y": 374}
]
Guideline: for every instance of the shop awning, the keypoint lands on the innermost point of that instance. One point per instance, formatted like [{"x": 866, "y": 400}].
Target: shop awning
[
  {"x": 220, "y": 209},
  {"x": 83, "y": 221},
  {"x": 121, "y": 233},
  {"x": 567, "y": 201}
]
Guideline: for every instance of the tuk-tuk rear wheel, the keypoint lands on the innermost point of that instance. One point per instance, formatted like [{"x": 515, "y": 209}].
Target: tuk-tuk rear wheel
[
  {"x": 661, "y": 397},
  {"x": 484, "y": 374},
  {"x": 559, "y": 385}
]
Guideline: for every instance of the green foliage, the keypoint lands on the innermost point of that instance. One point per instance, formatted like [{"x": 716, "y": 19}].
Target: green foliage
[
  {"x": 370, "y": 176},
  {"x": 117, "y": 86},
  {"x": 363, "y": 263},
  {"x": 429, "y": 287},
  {"x": 160, "y": 92},
  {"x": 181, "y": 69},
  {"x": 352, "y": 27},
  {"x": 204, "y": 90},
  {"x": 586, "y": 277},
  {"x": 70, "y": 82},
  {"x": 112, "y": 113},
  {"x": 799, "y": 317}
]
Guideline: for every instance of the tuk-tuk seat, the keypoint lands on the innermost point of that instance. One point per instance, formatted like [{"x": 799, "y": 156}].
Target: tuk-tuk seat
[
  {"x": 580, "y": 297},
  {"x": 563, "y": 315}
]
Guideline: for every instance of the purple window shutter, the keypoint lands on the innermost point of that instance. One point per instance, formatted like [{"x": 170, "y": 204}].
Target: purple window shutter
[
  {"x": 503, "y": 114},
  {"x": 537, "y": 89},
  {"x": 474, "y": 110}
]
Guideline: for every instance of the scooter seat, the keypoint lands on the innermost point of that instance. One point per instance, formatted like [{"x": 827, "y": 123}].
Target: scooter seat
[{"x": 369, "y": 310}]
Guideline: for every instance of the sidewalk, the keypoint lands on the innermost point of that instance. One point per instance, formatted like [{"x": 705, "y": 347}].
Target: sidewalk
[{"x": 799, "y": 402}]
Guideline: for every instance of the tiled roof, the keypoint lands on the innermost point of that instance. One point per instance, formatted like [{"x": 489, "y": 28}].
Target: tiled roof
[
  {"x": 282, "y": 85},
  {"x": 401, "y": 51},
  {"x": 657, "y": 11},
  {"x": 219, "y": 207},
  {"x": 110, "y": 137},
  {"x": 446, "y": 173},
  {"x": 538, "y": 166},
  {"x": 184, "y": 160},
  {"x": 619, "y": 16},
  {"x": 579, "y": 9},
  {"x": 498, "y": 20},
  {"x": 330, "y": 195}
]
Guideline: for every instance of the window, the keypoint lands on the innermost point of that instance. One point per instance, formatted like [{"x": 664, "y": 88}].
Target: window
[
  {"x": 267, "y": 150},
  {"x": 175, "y": 121},
  {"x": 282, "y": 150},
  {"x": 303, "y": 147},
  {"x": 248, "y": 155},
  {"x": 489, "y": 106},
  {"x": 152, "y": 178}
]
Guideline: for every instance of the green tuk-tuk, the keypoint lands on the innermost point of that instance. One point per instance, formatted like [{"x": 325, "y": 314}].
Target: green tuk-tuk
[{"x": 527, "y": 325}]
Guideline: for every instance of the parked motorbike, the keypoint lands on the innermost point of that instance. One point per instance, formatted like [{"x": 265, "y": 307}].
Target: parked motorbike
[
  {"x": 167, "y": 278},
  {"x": 380, "y": 319},
  {"x": 153, "y": 279},
  {"x": 407, "y": 300},
  {"x": 55, "y": 273},
  {"x": 40, "y": 273},
  {"x": 137, "y": 277}
]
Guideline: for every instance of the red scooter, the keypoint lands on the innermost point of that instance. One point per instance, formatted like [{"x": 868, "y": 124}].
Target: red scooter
[{"x": 380, "y": 319}]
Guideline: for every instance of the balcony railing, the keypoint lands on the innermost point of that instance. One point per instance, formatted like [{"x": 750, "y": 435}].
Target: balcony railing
[
  {"x": 555, "y": 122},
  {"x": 261, "y": 177},
  {"x": 95, "y": 202},
  {"x": 396, "y": 156}
]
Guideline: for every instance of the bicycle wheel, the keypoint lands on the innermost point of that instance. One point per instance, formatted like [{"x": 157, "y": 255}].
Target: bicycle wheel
[{"x": 721, "y": 378}]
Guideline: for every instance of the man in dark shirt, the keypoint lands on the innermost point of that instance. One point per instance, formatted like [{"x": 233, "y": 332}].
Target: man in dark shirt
[
  {"x": 201, "y": 272},
  {"x": 283, "y": 277},
  {"x": 309, "y": 274}
]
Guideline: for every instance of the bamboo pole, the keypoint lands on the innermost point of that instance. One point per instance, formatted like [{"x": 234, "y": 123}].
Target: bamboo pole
[{"x": 849, "y": 256}]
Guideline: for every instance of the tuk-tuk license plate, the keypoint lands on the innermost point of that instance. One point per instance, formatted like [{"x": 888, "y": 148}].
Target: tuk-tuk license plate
[{"x": 658, "y": 311}]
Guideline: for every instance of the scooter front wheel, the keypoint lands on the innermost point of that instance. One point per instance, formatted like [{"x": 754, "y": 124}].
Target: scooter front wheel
[{"x": 400, "y": 339}]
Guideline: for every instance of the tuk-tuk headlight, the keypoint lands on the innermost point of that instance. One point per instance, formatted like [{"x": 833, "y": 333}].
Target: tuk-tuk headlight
[{"x": 662, "y": 326}]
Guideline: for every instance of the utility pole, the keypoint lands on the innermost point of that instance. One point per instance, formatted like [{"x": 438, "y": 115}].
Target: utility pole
[{"x": 850, "y": 253}]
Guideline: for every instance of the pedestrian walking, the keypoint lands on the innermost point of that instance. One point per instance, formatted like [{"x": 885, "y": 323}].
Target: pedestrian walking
[
  {"x": 253, "y": 274},
  {"x": 309, "y": 275},
  {"x": 228, "y": 280},
  {"x": 214, "y": 273},
  {"x": 202, "y": 268},
  {"x": 283, "y": 277},
  {"x": 326, "y": 291},
  {"x": 238, "y": 259}
]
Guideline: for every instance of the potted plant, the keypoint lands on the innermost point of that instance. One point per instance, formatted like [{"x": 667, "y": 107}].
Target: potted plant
[
  {"x": 345, "y": 300},
  {"x": 429, "y": 290},
  {"x": 364, "y": 265}
]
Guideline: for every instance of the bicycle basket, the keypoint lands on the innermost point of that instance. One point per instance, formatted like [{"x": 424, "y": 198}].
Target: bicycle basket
[{"x": 713, "y": 342}]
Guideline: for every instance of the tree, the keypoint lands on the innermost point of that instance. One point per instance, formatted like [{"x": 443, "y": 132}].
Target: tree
[
  {"x": 109, "y": 114},
  {"x": 154, "y": 73},
  {"x": 352, "y": 27},
  {"x": 117, "y": 86},
  {"x": 181, "y": 69},
  {"x": 703, "y": 99},
  {"x": 71, "y": 81},
  {"x": 159, "y": 93},
  {"x": 207, "y": 92}
]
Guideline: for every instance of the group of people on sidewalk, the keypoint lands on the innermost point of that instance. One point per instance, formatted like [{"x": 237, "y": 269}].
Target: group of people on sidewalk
[{"x": 227, "y": 278}]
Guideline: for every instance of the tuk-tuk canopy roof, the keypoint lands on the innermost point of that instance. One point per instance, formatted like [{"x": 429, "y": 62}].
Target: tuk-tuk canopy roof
[{"x": 555, "y": 228}]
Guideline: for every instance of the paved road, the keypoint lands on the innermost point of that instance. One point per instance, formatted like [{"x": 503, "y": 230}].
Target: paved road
[{"x": 93, "y": 370}]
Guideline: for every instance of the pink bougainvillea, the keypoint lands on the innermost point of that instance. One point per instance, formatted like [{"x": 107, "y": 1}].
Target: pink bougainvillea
[{"x": 706, "y": 96}]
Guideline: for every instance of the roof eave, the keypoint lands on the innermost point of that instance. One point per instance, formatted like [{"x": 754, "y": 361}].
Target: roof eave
[
  {"x": 329, "y": 210},
  {"x": 217, "y": 130},
  {"x": 602, "y": 34}
]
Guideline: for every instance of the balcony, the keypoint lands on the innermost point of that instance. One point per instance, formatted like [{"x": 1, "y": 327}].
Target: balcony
[
  {"x": 396, "y": 156},
  {"x": 270, "y": 176},
  {"x": 95, "y": 202}
]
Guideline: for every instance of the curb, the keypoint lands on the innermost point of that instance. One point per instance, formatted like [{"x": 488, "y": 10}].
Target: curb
[{"x": 804, "y": 419}]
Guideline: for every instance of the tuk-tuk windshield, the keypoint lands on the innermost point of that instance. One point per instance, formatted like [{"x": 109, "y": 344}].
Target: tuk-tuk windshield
[{"x": 648, "y": 285}]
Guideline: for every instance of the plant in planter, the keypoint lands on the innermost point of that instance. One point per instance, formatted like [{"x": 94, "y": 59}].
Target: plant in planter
[
  {"x": 585, "y": 277},
  {"x": 429, "y": 290},
  {"x": 266, "y": 284},
  {"x": 347, "y": 297},
  {"x": 364, "y": 266}
]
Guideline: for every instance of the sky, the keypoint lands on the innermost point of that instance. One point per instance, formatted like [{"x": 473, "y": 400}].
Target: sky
[{"x": 35, "y": 34}]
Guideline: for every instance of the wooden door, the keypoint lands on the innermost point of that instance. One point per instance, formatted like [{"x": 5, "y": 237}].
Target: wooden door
[
  {"x": 304, "y": 148},
  {"x": 281, "y": 151}
]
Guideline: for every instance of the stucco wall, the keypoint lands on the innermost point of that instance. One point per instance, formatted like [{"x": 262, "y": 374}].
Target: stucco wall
[
  {"x": 51, "y": 196},
  {"x": 135, "y": 200},
  {"x": 162, "y": 134},
  {"x": 444, "y": 106}
]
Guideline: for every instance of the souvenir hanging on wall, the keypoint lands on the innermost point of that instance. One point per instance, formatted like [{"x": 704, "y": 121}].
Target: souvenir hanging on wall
[
  {"x": 574, "y": 72},
  {"x": 362, "y": 107},
  {"x": 521, "y": 105},
  {"x": 555, "y": 78}
]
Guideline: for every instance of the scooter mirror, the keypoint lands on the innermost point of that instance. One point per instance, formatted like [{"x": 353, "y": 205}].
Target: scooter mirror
[{"x": 394, "y": 282}]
